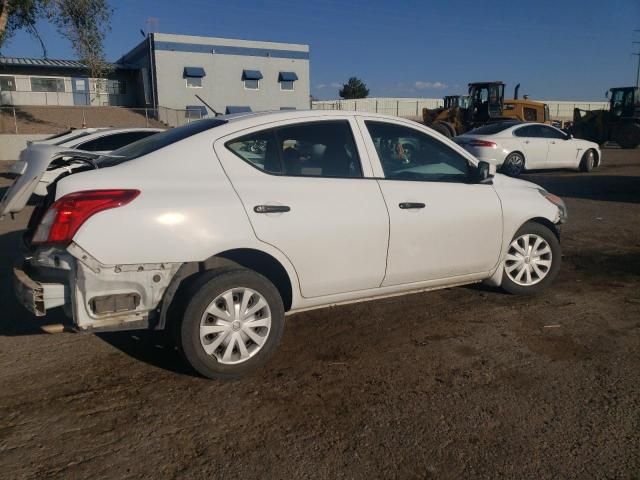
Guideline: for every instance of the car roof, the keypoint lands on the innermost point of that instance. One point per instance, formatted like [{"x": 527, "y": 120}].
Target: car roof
[{"x": 276, "y": 115}]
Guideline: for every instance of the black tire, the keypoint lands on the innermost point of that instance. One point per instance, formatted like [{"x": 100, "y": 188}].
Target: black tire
[
  {"x": 533, "y": 228},
  {"x": 513, "y": 165},
  {"x": 442, "y": 129},
  {"x": 627, "y": 135},
  {"x": 198, "y": 298},
  {"x": 589, "y": 161}
]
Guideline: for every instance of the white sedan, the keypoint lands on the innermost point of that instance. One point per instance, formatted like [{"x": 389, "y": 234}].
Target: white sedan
[
  {"x": 97, "y": 140},
  {"x": 268, "y": 213},
  {"x": 515, "y": 147}
]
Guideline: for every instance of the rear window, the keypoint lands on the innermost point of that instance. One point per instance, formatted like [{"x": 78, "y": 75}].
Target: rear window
[
  {"x": 68, "y": 136},
  {"x": 157, "y": 141},
  {"x": 114, "y": 141},
  {"x": 492, "y": 128}
]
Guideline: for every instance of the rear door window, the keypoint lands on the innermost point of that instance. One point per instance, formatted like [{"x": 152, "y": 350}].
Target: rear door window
[
  {"x": 530, "y": 131},
  {"x": 548, "y": 132},
  {"x": 316, "y": 149}
]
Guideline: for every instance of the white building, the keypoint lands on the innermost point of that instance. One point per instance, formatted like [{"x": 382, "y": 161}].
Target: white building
[{"x": 171, "y": 71}]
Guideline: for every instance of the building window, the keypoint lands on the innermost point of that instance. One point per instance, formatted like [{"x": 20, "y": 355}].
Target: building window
[
  {"x": 193, "y": 76},
  {"x": 194, "y": 82},
  {"x": 116, "y": 87},
  {"x": 236, "y": 109},
  {"x": 287, "y": 80},
  {"x": 42, "y": 84},
  {"x": 252, "y": 84},
  {"x": 7, "y": 84},
  {"x": 286, "y": 85},
  {"x": 195, "y": 112},
  {"x": 251, "y": 79},
  {"x": 111, "y": 87}
]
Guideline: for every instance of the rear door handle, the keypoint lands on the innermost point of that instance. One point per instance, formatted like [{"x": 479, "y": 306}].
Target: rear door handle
[
  {"x": 406, "y": 205},
  {"x": 271, "y": 208}
]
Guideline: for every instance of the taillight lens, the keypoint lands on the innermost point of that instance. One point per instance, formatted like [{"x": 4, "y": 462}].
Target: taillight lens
[
  {"x": 68, "y": 213},
  {"x": 481, "y": 143}
]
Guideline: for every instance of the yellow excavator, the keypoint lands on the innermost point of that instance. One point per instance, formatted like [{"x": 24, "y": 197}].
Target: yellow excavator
[
  {"x": 484, "y": 104},
  {"x": 620, "y": 124}
]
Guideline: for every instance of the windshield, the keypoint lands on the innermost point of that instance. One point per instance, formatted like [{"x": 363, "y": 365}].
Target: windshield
[
  {"x": 492, "y": 128},
  {"x": 156, "y": 142}
]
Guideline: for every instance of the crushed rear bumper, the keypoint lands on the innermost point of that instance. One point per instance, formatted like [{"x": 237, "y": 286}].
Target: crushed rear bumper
[{"x": 36, "y": 296}]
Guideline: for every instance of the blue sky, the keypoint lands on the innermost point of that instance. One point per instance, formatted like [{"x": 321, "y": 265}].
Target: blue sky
[{"x": 557, "y": 49}]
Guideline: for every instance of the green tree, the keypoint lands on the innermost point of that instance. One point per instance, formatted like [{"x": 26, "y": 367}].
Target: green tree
[
  {"x": 354, "y": 88},
  {"x": 84, "y": 23}
]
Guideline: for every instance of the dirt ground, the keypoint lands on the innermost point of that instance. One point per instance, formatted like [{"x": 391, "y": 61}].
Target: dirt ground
[{"x": 459, "y": 383}]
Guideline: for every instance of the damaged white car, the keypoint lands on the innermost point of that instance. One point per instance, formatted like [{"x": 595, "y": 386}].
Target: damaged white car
[{"x": 218, "y": 228}]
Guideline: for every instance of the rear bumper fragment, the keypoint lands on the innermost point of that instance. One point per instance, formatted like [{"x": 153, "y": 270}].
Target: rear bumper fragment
[{"x": 38, "y": 297}]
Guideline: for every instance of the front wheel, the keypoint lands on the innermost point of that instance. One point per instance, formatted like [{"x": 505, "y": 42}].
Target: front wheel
[
  {"x": 513, "y": 165},
  {"x": 588, "y": 161},
  {"x": 232, "y": 324},
  {"x": 532, "y": 261}
]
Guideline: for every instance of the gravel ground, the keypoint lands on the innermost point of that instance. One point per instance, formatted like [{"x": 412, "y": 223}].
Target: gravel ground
[{"x": 458, "y": 383}]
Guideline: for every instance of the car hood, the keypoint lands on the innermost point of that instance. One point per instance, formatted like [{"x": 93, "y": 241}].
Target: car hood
[
  {"x": 33, "y": 168},
  {"x": 500, "y": 180}
]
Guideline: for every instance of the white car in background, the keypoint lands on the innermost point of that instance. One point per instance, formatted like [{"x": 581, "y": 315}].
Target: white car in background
[
  {"x": 268, "y": 213},
  {"x": 514, "y": 147},
  {"x": 99, "y": 141}
]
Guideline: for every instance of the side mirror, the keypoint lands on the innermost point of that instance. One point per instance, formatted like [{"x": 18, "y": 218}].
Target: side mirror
[{"x": 484, "y": 171}]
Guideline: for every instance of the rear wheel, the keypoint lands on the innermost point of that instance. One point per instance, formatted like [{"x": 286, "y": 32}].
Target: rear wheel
[
  {"x": 628, "y": 135},
  {"x": 588, "y": 161},
  {"x": 532, "y": 261},
  {"x": 232, "y": 324},
  {"x": 513, "y": 165}
]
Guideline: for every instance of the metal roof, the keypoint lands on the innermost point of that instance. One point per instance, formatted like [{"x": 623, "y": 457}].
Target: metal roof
[{"x": 48, "y": 63}]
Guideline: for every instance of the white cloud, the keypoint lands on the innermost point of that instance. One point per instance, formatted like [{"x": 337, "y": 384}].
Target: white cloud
[
  {"x": 320, "y": 86},
  {"x": 430, "y": 85}
]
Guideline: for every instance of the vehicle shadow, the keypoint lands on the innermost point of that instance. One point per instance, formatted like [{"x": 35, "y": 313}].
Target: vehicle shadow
[
  {"x": 152, "y": 347},
  {"x": 607, "y": 188}
]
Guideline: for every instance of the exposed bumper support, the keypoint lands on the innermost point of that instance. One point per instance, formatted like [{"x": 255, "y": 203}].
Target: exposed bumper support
[{"x": 38, "y": 297}]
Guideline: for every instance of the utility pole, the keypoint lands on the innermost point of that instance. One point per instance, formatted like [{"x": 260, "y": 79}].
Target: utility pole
[{"x": 637, "y": 55}]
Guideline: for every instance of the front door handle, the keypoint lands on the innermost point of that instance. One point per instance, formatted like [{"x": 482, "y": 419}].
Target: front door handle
[
  {"x": 526, "y": 141},
  {"x": 271, "y": 208},
  {"x": 553, "y": 142},
  {"x": 406, "y": 205}
]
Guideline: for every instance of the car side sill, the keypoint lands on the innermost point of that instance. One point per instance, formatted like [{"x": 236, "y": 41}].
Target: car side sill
[{"x": 387, "y": 294}]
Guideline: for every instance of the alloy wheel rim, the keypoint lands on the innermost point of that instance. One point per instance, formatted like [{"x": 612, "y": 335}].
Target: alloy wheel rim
[
  {"x": 235, "y": 326},
  {"x": 515, "y": 164},
  {"x": 528, "y": 260},
  {"x": 590, "y": 160}
]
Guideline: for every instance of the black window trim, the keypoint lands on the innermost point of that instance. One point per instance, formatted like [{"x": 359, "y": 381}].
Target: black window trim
[
  {"x": 468, "y": 179},
  {"x": 273, "y": 132}
]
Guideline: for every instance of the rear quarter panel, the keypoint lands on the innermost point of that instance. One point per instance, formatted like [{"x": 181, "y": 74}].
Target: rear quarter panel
[{"x": 187, "y": 209}]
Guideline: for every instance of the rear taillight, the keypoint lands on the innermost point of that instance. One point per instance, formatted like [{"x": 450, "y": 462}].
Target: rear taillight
[
  {"x": 68, "y": 213},
  {"x": 481, "y": 143}
]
